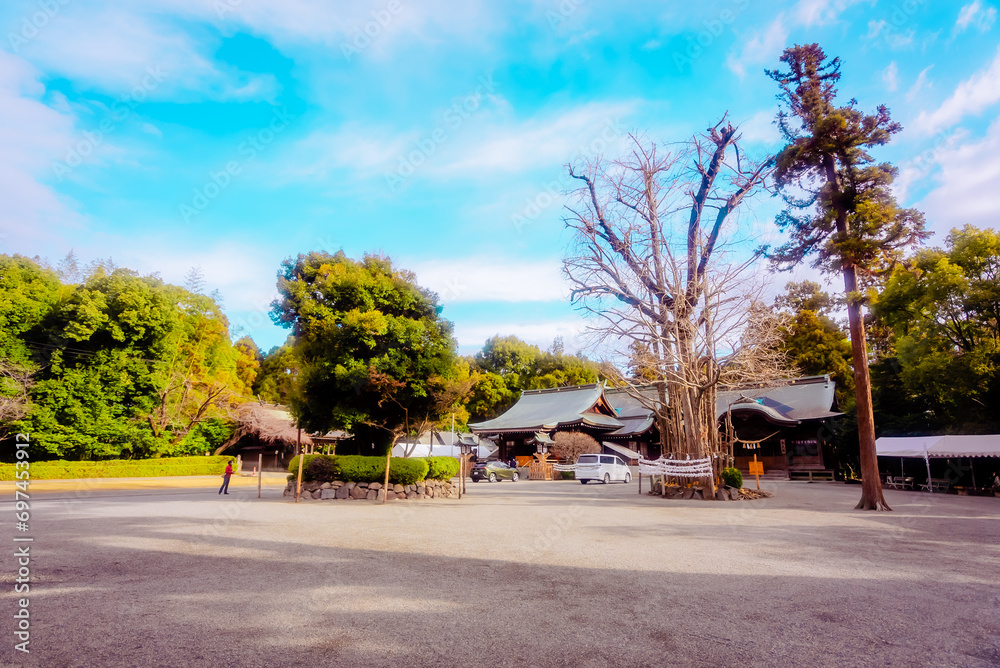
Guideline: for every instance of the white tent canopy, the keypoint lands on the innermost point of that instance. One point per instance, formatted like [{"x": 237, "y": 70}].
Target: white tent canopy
[{"x": 939, "y": 446}]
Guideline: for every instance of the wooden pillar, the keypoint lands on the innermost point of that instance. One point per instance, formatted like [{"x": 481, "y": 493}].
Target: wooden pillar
[
  {"x": 302, "y": 459},
  {"x": 388, "y": 456}
]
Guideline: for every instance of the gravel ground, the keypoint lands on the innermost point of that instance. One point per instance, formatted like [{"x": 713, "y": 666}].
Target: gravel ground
[{"x": 515, "y": 574}]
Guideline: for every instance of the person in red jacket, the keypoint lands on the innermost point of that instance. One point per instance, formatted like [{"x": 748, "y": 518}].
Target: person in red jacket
[{"x": 225, "y": 478}]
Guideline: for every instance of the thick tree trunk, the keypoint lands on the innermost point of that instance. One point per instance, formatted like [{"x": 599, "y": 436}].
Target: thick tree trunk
[{"x": 871, "y": 482}]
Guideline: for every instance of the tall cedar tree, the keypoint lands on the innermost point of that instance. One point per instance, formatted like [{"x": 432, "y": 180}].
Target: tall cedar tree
[{"x": 840, "y": 208}]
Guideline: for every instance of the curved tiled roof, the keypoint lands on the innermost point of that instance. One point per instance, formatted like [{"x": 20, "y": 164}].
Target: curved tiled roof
[
  {"x": 545, "y": 410},
  {"x": 809, "y": 398}
]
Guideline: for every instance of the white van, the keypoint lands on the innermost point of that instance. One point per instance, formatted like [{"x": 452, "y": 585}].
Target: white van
[{"x": 601, "y": 467}]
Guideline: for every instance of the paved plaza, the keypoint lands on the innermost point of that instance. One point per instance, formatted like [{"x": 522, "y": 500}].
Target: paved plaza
[{"x": 514, "y": 574}]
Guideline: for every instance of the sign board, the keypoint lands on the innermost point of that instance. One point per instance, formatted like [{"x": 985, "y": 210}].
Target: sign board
[{"x": 756, "y": 468}]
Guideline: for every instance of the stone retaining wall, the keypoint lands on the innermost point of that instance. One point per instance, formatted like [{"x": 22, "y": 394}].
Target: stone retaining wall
[{"x": 372, "y": 491}]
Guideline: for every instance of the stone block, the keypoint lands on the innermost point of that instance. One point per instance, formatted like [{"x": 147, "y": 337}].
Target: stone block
[
  {"x": 325, "y": 485},
  {"x": 397, "y": 488},
  {"x": 390, "y": 495},
  {"x": 372, "y": 495},
  {"x": 328, "y": 494},
  {"x": 343, "y": 492},
  {"x": 359, "y": 493},
  {"x": 375, "y": 485},
  {"x": 401, "y": 496},
  {"x": 351, "y": 485}
]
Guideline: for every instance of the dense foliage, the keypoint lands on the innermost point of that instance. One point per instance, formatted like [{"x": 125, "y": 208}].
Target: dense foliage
[
  {"x": 374, "y": 356},
  {"x": 815, "y": 344},
  {"x": 121, "y": 365},
  {"x": 507, "y": 365},
  {"x": 943, "y": 309}
]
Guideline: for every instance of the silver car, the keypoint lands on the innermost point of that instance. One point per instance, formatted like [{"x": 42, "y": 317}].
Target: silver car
[{"x": 601, "y": 467}]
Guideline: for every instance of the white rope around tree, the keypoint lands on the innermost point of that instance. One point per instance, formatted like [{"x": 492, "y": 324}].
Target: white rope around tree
[
  {"x": 677, "y": 468},
  {"x": 564, "y": 467}
]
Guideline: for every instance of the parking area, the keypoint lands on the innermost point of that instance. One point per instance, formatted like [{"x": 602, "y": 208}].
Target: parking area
[{"x": 514, "y": 574}]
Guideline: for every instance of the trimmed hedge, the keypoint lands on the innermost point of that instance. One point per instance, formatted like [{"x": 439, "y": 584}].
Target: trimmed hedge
[
  {"x": 442, "y": 468},
  {"x": 293, "y": 466},
  {"x": 121, "y": 468},
  {"x": 408, "y": 470},
  {"x": 732, "y": 477},
  {"x": 361, "y": 468}
]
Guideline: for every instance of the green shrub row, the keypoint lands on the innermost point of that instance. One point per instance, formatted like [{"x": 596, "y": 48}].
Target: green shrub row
[
  {"x": 361, "y": 468},
  {"x": 120, "y": 468}
]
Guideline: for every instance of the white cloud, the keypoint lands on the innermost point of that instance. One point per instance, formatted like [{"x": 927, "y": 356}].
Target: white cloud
[
  {"x": 890, "y": 76},
  {"x": 968, "y": 189},
  {"x": 115, "y": 51},
  {"x": 761, "y": 128},
  {"x": 970, "y": 97},
  {"x": 540, "y": 142},
  {"x": 481, "y": 146},
  {"x": 975, "y": 15},
  {"x": 32, "y": 136},
  {"x": 919, "y": 85},
  {"x": 472, "y": 335},
  {"x": 760, "y": 47},
  {"x": 491, "y": 279},
  {"x": 817, "y": 12},
  {"x": 356, "y": 29}
]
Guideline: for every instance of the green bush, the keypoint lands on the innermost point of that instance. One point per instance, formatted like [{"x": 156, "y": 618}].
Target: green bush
[
  {"x": 361, "y": 468},
  {"x": 732, "y": 477},
  {"x": 321, "y": 468},
  {"x": 408, "y": 470},
  {"x": 293, "y": 466},
  {"x": 120, "y": 468},
  {"x": 568, "y": 475},
  {"x": 441, "y": 468},
  {"x": 402, "y": 470}
]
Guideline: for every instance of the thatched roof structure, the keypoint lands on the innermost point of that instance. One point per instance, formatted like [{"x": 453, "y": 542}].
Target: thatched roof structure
[{"x": 269, "y": 423}]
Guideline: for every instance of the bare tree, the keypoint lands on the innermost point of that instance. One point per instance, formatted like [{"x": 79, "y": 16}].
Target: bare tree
[
  {"x": 659, "y": 265},
  {"x": 571, "y": 444},
  {"x": 15, "y": 382}
]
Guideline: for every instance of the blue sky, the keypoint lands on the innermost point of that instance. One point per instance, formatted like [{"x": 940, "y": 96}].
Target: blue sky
[{"x": 231, "y": 134}]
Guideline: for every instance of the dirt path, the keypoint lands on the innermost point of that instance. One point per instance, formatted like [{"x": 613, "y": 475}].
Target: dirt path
[{"x": 515, "y": 574}]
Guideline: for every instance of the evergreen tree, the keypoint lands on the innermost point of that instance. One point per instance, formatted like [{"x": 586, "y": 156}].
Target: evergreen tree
[{"x": 840, "y": 208}]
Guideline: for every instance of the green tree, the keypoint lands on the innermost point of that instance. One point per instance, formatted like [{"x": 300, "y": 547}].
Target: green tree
[
  {"x": 849, "y": 218},
  {"x": 944, "y": 312},
  {"x": 373, "y": 350},
  {"x": 128, "y": 366},
  {"x": 507, "y": 365},
  {"x": 275, "y": 380},
  {"x": 28, "y": 292},
  {"x": 813, "y": 342}
]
